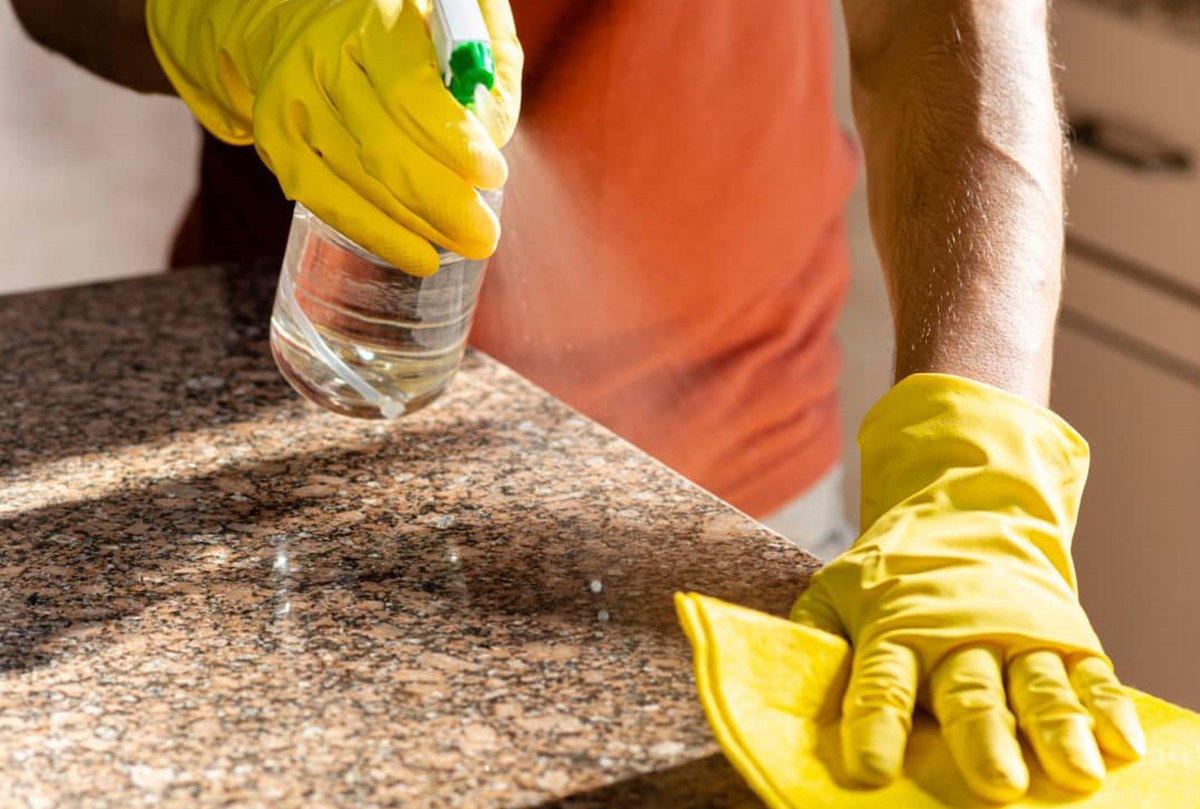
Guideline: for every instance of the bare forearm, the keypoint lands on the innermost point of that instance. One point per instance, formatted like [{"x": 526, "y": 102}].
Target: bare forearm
[
  {"x": 956, "y": 109},
  {"x": 107, "y": 37}
]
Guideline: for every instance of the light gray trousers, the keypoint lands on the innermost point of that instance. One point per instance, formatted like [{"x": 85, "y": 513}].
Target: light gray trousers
[{"x": 816, "y": 520}]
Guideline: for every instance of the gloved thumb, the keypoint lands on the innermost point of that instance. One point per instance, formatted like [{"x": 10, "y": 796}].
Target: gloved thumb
[
  {"x": 814, "y": 609},
  {"x": 877, "y": 712},
  {"x": 499, "y": 110}
]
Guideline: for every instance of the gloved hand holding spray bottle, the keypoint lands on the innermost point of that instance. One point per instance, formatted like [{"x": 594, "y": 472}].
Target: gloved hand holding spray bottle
[
  {"x": 350, "y": 332},
  {"x": 390, "y": 145}
]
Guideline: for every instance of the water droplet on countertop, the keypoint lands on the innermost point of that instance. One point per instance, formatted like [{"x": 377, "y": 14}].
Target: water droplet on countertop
[{"x": 391, "y": 409}]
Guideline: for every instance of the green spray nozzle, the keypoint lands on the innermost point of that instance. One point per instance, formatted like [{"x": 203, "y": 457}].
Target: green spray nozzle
[
  {"x": 464, "y": 48},
  {"x": 471, "y": 65}
]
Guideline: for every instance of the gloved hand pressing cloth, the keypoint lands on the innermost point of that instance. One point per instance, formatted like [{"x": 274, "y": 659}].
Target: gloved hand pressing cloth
[{"x": 960, "y": 596}]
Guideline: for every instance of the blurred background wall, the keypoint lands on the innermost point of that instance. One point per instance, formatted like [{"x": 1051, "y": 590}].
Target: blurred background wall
[{"x": 94, "y": 177}]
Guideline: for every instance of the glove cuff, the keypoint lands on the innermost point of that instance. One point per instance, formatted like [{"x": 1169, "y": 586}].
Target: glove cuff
[{"x": 953, "y": 441}]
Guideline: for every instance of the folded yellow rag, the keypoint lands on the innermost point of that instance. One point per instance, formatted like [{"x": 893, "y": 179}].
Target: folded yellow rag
[{"x": 771, "y": 689}]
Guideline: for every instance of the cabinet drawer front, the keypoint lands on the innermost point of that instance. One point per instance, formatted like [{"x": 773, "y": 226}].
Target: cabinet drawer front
[
  {"x": 1135, "y": 93},
  {"x": 1135, "y": 548},
  {"x": 1159, "y": 323}
]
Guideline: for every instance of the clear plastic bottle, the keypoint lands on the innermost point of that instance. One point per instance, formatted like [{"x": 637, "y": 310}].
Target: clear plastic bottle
[
  {"x": 350, "y": 331},
  {"x": 358, "y": 336}
]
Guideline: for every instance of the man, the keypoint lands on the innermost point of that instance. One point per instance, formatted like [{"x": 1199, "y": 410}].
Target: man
[{"x": 692, "y": 308}]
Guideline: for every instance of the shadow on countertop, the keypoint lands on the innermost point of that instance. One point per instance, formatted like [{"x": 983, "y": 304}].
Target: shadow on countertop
[
  {"x": 457, "y": 537},
  {"x": 707, "y": 783},
  {"x": 96, "y": 367}
]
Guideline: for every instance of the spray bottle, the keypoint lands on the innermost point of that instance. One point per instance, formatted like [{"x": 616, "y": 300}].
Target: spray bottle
[{"x": 353, "y": 333}]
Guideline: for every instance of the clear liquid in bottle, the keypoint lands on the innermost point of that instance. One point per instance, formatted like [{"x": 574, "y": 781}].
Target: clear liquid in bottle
[{"x": 358, "y": 336}]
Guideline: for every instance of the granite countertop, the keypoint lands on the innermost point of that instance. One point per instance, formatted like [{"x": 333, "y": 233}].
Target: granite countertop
[{"x": 213, "y": 594}]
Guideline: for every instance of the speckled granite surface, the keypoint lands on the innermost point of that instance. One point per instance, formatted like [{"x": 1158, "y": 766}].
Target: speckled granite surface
[{"x": 212, "y": 594}]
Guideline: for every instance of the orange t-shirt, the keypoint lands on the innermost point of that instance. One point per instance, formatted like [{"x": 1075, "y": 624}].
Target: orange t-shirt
[{"x": 673, "y": 258}]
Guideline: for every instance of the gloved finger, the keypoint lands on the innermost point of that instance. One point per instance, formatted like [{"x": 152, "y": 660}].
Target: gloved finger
[
  {"x": 494, "y": 117},
  {"x": 877, "y": 712},
  {"x": 432, "y": 194},
  {"x": 319, "y": 165},
  {"x": 1056, "y": 724},
  {"x": 967, "y": 694},
  {"x": 504, "y": 102},
  {"x": 308, "y": 123},
  {"x": 305, "y": 177},
  {"x": 398, "y": 58},
  {"x": 1118, "y": 728}
]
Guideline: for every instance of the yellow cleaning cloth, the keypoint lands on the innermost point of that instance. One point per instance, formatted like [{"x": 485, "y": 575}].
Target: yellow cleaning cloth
[{"x": 771, "y": 689}]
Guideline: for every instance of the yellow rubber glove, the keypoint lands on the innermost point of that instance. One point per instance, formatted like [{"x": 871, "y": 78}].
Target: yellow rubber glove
[
  {"x": 771, "y": 690},
  {"x": 345, "y": 105},
  {"x": 961, "y": 590}
]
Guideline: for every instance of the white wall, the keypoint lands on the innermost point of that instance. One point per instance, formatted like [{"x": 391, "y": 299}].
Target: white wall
[{"x": 93, "y": 177}]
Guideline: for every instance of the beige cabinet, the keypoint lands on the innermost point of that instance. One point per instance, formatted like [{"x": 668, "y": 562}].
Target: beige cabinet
[
  {"x": 1137, "y": 548},
  {"x": 1127, "y": 369}
]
